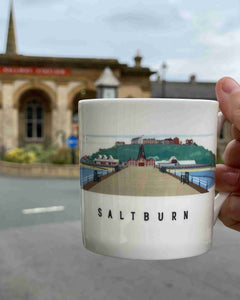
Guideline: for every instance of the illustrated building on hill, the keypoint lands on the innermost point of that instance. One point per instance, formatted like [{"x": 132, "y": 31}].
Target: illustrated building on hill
[{"x": 137, "y": 140}]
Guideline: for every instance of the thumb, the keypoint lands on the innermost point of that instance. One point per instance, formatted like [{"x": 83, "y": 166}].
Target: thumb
[
  {"x": 230, "y": 212},
  {"x": 228, "y": 95}
]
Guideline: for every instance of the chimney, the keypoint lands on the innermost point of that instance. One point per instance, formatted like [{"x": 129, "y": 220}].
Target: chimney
[
  {"x": 192, "y": 78},
  {"x": 138, "y": 59}
]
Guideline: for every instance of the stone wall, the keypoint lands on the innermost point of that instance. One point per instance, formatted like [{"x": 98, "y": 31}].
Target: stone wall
[{"x": 39, "y": 170}]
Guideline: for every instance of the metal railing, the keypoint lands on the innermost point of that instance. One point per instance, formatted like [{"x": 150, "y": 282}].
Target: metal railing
[
  {"x": 189, "y": 166},
  {"x": 199, "y": 182},
  {"x": 196, "y": 180},
  {"x": 90, "y": 177}
]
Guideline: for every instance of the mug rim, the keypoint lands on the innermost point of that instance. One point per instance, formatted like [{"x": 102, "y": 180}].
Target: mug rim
[{"x": 188, "y": 100}]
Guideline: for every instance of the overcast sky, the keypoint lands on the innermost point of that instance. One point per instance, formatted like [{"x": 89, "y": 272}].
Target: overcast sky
[{"x": 200, "y": 37}]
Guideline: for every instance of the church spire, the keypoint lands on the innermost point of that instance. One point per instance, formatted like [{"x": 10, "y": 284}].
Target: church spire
[{"x": 11, "y": 47}]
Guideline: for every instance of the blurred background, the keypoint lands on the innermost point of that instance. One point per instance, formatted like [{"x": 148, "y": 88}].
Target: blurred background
[{"x": 55, "y": 53}]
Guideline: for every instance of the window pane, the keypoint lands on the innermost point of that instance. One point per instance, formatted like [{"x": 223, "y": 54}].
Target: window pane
[
  {"x": 29, "y": 130},
  {"x": 39, "y": 113},
  {"x": 29, "y": 113},
  {"x": 39, "y": 130},
  {"x": 34, "y": 119}
]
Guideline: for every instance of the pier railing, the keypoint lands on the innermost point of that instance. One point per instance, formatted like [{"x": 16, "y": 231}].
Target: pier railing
[
  {"x": 190, "y": 178},
  {"x": 189, "y": 166},
  {"x": 90, "y": 177},
  {"x": 199, "y": 182}
]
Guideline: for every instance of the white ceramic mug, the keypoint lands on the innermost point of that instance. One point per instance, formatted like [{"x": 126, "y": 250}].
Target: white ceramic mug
[{"x": 147, "y": 172}]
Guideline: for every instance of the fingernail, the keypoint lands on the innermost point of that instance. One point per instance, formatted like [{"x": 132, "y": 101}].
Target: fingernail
[
  {"x": 234, "y": 207},
  {"x": 231, "y": 178},
  {"x": 229, "y": 85}
]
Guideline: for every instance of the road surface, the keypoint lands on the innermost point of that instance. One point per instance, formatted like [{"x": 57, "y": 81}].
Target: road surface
[{"x": 42, "y": 257}]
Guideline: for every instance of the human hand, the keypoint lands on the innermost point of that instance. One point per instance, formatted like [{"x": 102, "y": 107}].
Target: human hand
[{"x": 228, "y": 175}]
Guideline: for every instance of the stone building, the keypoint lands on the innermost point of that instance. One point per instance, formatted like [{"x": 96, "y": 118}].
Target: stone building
[
  {"x": 39, "y": 95},
  {"x": 192, "y": 90}
]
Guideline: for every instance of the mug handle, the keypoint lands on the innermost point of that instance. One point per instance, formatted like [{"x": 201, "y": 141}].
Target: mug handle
[{"x": 221, "y": 197}]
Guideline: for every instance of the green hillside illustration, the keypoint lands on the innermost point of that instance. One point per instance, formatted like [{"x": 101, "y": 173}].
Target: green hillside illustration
[
  {"x": 149, "y": 167},
  {"x": 160, "y": 152}
]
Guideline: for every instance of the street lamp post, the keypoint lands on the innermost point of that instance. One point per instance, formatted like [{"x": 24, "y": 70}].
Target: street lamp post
[{"x": 164, "y": 68}]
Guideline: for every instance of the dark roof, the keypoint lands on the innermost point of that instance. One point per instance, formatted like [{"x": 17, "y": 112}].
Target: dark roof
[
  {"x": 195, "y": 90},
  {"x": 71, "y": 63},
  {"x": 137, "y": 71},
  {"x": 63, "y": 62}
]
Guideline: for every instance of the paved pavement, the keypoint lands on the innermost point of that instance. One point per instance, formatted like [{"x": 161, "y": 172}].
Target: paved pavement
[{"x": 42, "y": 258}]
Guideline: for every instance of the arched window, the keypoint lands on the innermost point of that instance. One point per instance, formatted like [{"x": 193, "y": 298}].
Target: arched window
[{"x": 34, "y": 119}]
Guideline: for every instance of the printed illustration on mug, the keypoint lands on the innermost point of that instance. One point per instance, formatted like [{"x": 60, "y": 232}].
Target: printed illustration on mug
[{"x": 149, "y": 166}]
